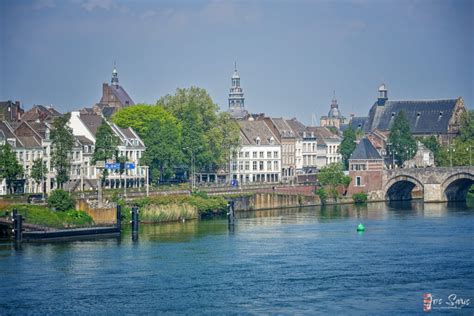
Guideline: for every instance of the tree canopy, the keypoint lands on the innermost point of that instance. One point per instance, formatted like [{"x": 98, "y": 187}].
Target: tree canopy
[
  {"x": 106, "y": 143},
  {"x": 333, "y": 176},
  {"x": 39, "y": 171},
  {"x": 62, "y": 143},
  {"x": 402, "y": 144},
  {"x": 348, "y": 145},
  {"x": 10, "y": 169}
]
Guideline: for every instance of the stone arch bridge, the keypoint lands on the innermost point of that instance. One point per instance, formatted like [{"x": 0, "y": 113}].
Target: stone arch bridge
[{"x": 433, "y": 184}]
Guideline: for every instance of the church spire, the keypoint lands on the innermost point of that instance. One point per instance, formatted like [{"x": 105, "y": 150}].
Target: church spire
[
  {"x": 236, "y": 95},
  {"x": 114, "y": 80}
]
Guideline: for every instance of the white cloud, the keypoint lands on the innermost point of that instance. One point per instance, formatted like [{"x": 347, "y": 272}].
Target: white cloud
[{"x": 90, "y": 5}]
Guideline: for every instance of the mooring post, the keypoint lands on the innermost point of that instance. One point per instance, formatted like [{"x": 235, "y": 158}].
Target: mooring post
[
  {"x": 135, "y": 220},
  {"x": 17, "y": 226},
  {"x": 119, "y": 217},
  {"x": 231, "y": 212}
]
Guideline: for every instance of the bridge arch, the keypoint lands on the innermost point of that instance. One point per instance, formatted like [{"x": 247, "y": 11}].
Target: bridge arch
[
  {"x": 456, "y": 186},
  {"x": 400, "y": 187}
]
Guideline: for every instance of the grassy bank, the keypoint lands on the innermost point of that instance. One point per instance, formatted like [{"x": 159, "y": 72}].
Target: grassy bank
[
  {"x": 175, "y": 207},
  {"x": 40, "y": 215}
]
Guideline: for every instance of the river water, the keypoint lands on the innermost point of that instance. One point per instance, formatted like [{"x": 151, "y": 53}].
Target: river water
[{"x": 290, "y": 261}]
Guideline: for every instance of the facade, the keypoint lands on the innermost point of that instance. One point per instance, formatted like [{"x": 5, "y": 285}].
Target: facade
[
  {"x": 328, "y": 146},
  {"x": 366, "y": 167},
  {"x": 426, "y": 117},
  {"x": 422, "y": 159},
  {"x": 334, "y": 117},
  {"x": 114, "y": 97},
  {"x": 287, "y": 139},
  {"x": 10, "y": 111},
  {"x": 131, "y": 147},
  {"x": 236, "y": 97},
  {"x": 259, "y": 157}
]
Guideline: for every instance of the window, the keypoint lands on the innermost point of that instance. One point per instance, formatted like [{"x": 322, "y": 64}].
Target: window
[
  {"x": 261, "y": 154},
  {"x": 247, "y": 154},
  {"x": 247, "y": 165},
  {"x": 269, "y": 165},
  {"x": 275, "y": 165},
  {"x": 27, "y": 156},
  {"x": 241, "y": 154},
  {"x": 261, "y": 165},
  {"x": 241, "y": 165},
  {"x": 269, "y": 154},
  {"x": 254, "y": 166},
  {"x": 234, "y": 166},
  {"x": 358, "y": 182},
  {"x": 275, "y": 154},
  {"x": 254, "y": 154}
]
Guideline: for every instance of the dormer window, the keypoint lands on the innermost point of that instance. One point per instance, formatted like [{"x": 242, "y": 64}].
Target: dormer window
[
  {"x": 257, "y": 140},
  {"x": 440, "y": 113},
  {"x": 418, "y": 114},
  {"x": 271, "y": 140},
  {"x": 393, "y": 114}
]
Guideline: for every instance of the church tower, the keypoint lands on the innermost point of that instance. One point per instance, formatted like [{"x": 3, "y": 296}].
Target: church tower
[
  {"x": 114, "y": 80},
  {"x": 236, "y": 96}
]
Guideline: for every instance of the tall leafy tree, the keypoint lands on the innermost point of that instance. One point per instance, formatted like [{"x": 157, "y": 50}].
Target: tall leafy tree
[
  {"x": 163, "y": 146},
  {"x": 62, "y": 143},
  {"x": 205, "y": 135},
  {"x": 140, "y": 117},
  {"x": 10, "y": 169},
  {"x": 347, "y": 146},
  {"x": 39, "y": 171},
  {"x": 402, "y": 143}
]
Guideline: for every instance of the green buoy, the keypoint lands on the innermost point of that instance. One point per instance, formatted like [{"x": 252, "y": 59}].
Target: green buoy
[{"x": 361, "y": 228}]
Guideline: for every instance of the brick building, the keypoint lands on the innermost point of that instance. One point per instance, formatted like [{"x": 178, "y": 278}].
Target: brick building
[{"x": 365, "y": 168}]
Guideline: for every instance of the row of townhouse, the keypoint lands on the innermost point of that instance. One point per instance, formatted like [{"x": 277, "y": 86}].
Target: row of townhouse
[
  {"x": 30, "y": 140},
  {"x": 277, "y": 150}
]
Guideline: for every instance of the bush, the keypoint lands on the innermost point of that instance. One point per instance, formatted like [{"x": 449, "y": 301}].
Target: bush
[
  {"x": 60, "y": 200},
  {"x": 359, "y": 198},
  {"x": 323, "y": 195}
]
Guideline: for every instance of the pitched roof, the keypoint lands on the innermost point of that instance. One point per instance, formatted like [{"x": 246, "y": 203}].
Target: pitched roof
[
  {"x": 250, "y": 130},
  {"x": 91, "y": 121},
  {"x": 365, "y": 150},
  {"x": 297, "y": 127},
  {"x": 84, "y": 140},
  {"x": 283, "y": 128},
  {"x": 358, "y": 122},
  {"x": 424, "y": 116},
  {"x": 121, "y": 95},
  {"x": 41, "y": 113}
]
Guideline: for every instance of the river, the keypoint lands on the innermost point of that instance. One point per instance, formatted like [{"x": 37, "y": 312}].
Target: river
[{"x": 290, "y": 261}]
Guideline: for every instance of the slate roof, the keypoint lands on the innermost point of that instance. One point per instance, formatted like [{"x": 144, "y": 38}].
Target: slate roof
[
  {"x": 41, "y": 113},
  {"x": 250, "y": 130},
  {"x": 297, "y": 127},
  {"x": 358, "y": 122},
  {"x": 28, "y": 142},
  {"x": 91, "y": 121},
  {"x": 121, "y": 95},
  {"x": 283, "y": 128},
  {"x": 365, "y": 150},
  {"x": 424, "y": 116}
]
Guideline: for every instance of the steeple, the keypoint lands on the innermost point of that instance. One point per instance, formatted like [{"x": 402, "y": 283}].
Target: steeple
[
  {"x": 334, "y": 111},
  {"x": 236, "y": 95},
  {"x": 114, "y": 80}
]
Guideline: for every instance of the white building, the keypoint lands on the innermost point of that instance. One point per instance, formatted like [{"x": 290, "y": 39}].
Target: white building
[
  {"x": 131, "y": 147},
  {"x": 328, "y": 146},
  {"x": 259, "y": 158}
]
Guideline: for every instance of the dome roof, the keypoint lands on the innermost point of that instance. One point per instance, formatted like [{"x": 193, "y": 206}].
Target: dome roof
[{"x": 334, "y": 112}]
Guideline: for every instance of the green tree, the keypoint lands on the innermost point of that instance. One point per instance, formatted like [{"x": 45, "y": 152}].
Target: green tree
[
  {"x": 39, "y": 171},
  {"x": 105, "y": 146},
  {"x": 163, "y": 146},
  {"x": 62, "y": 143},
  {"x": 333, "y": 176},
  {"x": 206, "y": 135},
  {"x": 60, "y": 200},
  {"x": 347, "y": 146},
  {"x": 402, "y": 144},
  {"x": 440, "y": 154},
  {"x": 140, "y": 117},
  {"x": 464, "y": 142},
  {"x": 10, "y": 169}
]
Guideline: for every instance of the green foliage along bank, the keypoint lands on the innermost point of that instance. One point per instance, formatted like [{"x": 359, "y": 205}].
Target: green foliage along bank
[
  {"x": 175, "y": 207},
  {"x": 40, "y": 215}
]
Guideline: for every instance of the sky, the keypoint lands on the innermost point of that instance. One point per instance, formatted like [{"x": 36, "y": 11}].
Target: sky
[{"x": 291, "y": 55}]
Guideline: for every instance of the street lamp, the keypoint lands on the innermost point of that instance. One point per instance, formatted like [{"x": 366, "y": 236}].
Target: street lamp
[
  {"x": 451, "y": 150},
  {"x": 470, "y": 154}
]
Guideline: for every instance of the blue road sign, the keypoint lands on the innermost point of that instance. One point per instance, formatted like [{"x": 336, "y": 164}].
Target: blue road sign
[
  {"x": 112, "y": 165},
  {"x": 129, "y": 165}
]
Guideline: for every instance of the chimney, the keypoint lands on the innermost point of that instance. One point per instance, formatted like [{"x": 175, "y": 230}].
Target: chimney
[{"x": 382, "y": 95}]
